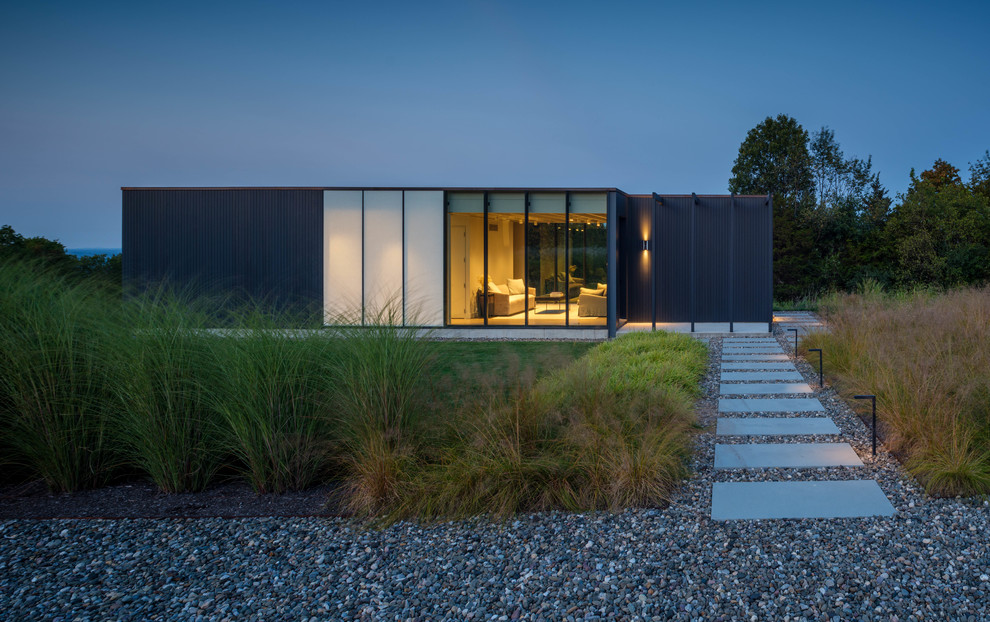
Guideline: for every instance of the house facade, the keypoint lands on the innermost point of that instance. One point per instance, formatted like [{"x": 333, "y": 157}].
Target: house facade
[{"x": 463, "y": 258}]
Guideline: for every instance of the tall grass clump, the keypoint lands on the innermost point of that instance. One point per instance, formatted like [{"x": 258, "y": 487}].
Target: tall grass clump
[
  {"x": 265, "y": 383},
  {"x": 808, "y": 302},
  {"x": 925, "y": 355},
  {"x": 381, "y": 394},
  {"x": 162, "y": 420},
  {"x": 53, "y": 376},
  {"x": 609, "y": 431}
]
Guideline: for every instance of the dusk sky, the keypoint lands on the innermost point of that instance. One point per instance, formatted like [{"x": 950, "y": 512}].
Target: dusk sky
[{"x": 645, "y": 97}]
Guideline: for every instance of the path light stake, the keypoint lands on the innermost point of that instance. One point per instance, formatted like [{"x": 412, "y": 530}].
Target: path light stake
[
  {"x": 795, "y": 340},
  {"x": 821, "y": 382},
  {"x": 872, "y": 398}
]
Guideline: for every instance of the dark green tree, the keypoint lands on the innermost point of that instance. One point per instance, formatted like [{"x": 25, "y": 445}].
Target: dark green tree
[
  {"x": 842, "y": 186},
  {"x": 774, "y": 159},
  {"x": 939, "y": 234},
  {"x": 979, "y": 176},
  {"x": 51, "y": 255}
]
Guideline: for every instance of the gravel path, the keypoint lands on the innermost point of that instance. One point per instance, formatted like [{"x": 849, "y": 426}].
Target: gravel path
[{"x": 930, "y": 562}]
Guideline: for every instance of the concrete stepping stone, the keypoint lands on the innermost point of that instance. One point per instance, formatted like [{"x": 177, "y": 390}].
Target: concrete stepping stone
[
  {"x": 774, "y": 426},
  {"x": 785, "y": 455},
  {"x": 760, "y": 376},
  {"x": 769, "y": 405},
  {"x": 763, "y": 356},
  {"x": 760, "y": 365},
  {"x": 748, "y": 340},
  {"x": 772, "y": 349},
  {"x": 750, "y": 346},
  {"x": 832, "y": 499},
  {"x": 765, "y": 388}
]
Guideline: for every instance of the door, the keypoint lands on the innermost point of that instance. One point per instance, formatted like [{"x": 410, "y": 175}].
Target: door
[{"x": 459, "y": 294}]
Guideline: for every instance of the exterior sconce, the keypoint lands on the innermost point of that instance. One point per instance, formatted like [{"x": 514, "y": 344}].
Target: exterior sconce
[{"x": 646, "y": 245}]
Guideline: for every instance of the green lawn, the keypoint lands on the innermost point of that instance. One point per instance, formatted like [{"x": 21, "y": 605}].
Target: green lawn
[{"x": 499, "y": 358}]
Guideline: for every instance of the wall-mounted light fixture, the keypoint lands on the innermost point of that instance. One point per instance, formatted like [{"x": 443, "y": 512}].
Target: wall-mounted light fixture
[{"x": 646, "y": 245}]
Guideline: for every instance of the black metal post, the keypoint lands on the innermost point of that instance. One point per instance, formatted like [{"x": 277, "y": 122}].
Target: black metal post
[
  {"x": 484, "y": 247},
  {"x": 732, "y": 262},
  {"x": 872, "y": 398},
  {"x": 821, "y": 376},
  {"x": 526, "y": 259},
  {"x": 795, "y": 340}
]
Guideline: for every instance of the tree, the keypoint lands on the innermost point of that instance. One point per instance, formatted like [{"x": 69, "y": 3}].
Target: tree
[
  {"x": 774, "y": 159},
  {"x": 940, "y": 175},
  {"x": 51, "y": 255},
  {"x": 940, "y": 232},
  {"x": 979, "y": 176},
  {"x": 836, "y": 178}
]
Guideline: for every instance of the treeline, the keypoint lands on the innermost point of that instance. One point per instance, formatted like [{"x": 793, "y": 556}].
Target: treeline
[
  {"x": 835, "y": 225},
  {"x": 50, "y": 255}
]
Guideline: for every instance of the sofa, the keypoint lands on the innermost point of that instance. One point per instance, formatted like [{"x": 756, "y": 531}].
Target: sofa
[
  {"x": 593, "y": 302},
  {"x": 510, "y": 297}
]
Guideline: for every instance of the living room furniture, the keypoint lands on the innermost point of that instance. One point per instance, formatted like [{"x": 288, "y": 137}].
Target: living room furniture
[
  {"x": 552, "y": 298},
  {"x": 593, "y": 302},
  {"x": 510, "y": 297}
]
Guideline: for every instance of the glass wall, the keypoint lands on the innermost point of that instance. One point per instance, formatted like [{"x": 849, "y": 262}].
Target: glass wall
[
  {"x": 546, "y": 251},
  {"x": 466, "y": 258},
  {"x": 382, "y": 261},
  {"x": 527, "y": 259},
  {"x": 343, "y": 222},
  {"x": 588, "y": 259},
  {"x": 509, "y": 302}
]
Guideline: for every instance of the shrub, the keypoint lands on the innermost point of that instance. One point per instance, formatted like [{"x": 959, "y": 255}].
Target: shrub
[
  {"x": 162, "y": 418},
  {"x": 612, "y": 430},
  {"x": 381, "y": 394},
  {"x": 265, "y": 384},
  {"x": 53, "y": 376}
]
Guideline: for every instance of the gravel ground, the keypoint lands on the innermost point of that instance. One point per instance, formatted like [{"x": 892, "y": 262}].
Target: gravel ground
[{"x": 929, "y": 562}]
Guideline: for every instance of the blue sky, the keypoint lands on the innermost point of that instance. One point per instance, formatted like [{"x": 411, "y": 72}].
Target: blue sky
[{"x": 646, "y": 96}]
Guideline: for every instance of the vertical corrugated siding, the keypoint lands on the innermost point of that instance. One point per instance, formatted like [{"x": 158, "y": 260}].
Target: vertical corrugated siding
[
  {"x": 713, "y": 260},
  {"x": 673, "y": 259},
  {"x": 638, "y": 222},
  {"x": 621, "y": 290},
  {"x": 264, "y": 244},
  {"x": 752, "y": 268},
  {"x": 724, "y": 259}
]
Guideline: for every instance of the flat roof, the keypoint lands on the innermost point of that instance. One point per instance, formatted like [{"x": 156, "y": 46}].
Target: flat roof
[{"x": 439, "y": 188}]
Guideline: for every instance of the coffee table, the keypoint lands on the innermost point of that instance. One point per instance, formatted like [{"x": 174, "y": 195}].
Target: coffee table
[{"x": 552, "y": 297}]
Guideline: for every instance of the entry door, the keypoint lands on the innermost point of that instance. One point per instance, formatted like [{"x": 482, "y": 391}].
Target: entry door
[{"x": 459, "y": 295}]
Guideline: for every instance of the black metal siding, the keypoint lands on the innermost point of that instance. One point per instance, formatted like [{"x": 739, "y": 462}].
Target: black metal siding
[
  {"x": 263, "y": 244},
  {"x": 620, "y": 290},
  {"x": 673, "y": 252},
  {"x": 638, "y": 226},
  {"x": 713, "y": 259},
  {"x": 752, "y": 266}
]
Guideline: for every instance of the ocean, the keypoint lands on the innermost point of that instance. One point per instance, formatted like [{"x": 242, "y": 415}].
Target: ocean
[{"x": 84, "y": 252}]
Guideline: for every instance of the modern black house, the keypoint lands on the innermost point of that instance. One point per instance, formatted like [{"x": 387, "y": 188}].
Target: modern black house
[{"x": 520, "y": 258}]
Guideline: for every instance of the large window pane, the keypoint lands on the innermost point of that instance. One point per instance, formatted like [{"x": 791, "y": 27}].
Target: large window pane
[
  {"x": 466, "y": 257},
  {"x": 424, "y": 258},
  {"x": 547, "y": 263},
  {"x": 383, "y": 256},
  {"x": 509, "y": 300},
  {"x": 342, "y": 223},
  {"x": 588, "y": 264}
]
